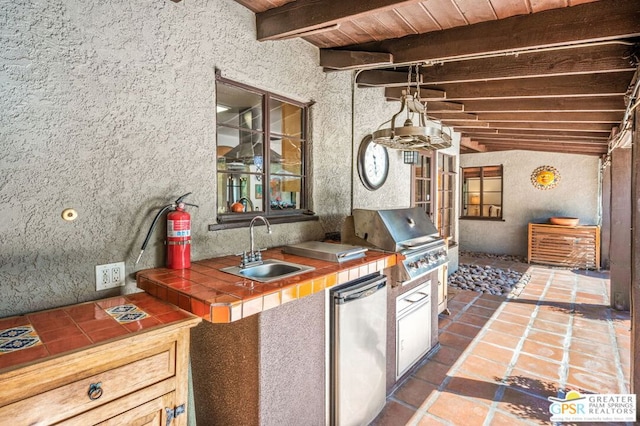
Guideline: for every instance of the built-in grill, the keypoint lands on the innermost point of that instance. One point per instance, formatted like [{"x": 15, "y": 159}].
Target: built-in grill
[
  {"x": 412, "y": 315},
  {"x": 407, "y": 231}
]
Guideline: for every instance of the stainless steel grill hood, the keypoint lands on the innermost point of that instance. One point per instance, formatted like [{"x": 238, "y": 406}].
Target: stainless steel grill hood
[{"x": 395, "y": 229}]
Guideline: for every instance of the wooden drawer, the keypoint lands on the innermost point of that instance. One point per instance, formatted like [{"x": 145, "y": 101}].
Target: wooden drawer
[{"x": 119, "y": 377}]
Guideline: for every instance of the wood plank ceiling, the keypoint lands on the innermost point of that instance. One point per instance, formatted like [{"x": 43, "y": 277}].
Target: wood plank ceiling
[{"x": 543, "y": 75}]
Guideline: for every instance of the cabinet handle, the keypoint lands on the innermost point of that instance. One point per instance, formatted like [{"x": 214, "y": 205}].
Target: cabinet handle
[{"x": 95, "y": 391}]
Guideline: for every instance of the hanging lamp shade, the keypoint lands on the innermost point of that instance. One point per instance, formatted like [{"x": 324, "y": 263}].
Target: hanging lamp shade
[
  {"x": 409, "y": 136},
  {"x": 424, "y": 135}
]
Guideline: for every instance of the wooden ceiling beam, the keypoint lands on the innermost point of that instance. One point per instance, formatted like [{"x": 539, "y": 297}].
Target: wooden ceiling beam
[
  {"x": 508, "y": 126},
  {"x": 610, "y": 57},
  {"x": 488, "y": 138},
  {"x": 452, "y": 116},
  {"x": 532, "y": 117},
  {"x": 593, "y": 134},
  {"x": 303, "y": 17},
  {"x": 472, "y": 145},
  {"x": 577, "y": 104},
  {"x": 386, "y": 78},
  {"x": 540, "y": 134},
  {"x": 540, "y": 146},
  {"x": 426, "y": 95},
  {"x": 560, "y": 116},
  {"x": 534, "y": 148},
  {"x": 558, "y": 147},
  {"x": 590, "y": 22},
  {"x": 459, "y": 125},
  {"x": 550, "y": 126},
  {"x": 351, "y": 59},
  {"x": 438, "y": 105},
  {"x": 444, "y": 107},
  {"x": 538, "y": 87}
]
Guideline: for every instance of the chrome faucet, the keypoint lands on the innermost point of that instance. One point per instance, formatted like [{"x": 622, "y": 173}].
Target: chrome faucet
[{"x": 254, "y": 257}]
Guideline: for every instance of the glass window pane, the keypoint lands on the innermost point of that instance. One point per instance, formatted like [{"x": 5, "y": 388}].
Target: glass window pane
[
  {"x": 285, "y": 119},
  {"x": 237, "y": 107},
  {"x": 286, "y": 154},
  {"x": 284, "y": 192},
  {"x": 242, "y": 188},
  {"x": 471, "y": 172},
  {"x": 420, "y": 195},
  {"x": 247, "y": 151},
  {"x": 482, "y": 191}
]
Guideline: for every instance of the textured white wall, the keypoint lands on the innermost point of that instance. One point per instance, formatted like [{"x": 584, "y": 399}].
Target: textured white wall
[
  {"x": 370, "y": 113},
  {"x": 109, "y": 108},
  {"x": 576, "y": 196}
]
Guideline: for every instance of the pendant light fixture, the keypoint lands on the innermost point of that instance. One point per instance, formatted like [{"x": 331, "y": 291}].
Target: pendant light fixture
[{"x": 409, "y": 137}]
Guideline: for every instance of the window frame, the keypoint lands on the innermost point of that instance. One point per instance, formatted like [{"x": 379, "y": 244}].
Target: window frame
[
  {"x": 441, "y": 205},
  {"x": 426, "y": 161},
  {"x": 482, "y": 194},
  {"x": 236, "y": 220}
]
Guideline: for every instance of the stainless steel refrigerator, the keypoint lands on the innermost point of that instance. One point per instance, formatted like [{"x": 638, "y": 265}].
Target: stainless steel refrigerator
[{"x": 358, "y": 350}]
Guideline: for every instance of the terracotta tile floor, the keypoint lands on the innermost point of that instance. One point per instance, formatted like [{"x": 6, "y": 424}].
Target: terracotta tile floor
[{"x": 501, "y": 358}]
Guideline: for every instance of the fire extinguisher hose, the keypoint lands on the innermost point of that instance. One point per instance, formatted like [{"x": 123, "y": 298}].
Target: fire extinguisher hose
[{"x": 153, "y": 225}]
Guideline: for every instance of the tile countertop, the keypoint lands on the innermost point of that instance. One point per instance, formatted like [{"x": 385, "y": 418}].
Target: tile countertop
[
  {"x": 39, "y": 335},
  {"x": 219, "y": 297}
]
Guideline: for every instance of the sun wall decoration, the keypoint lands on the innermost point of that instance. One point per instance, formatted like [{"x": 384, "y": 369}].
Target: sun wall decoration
[{"x": 545, "y": 177}]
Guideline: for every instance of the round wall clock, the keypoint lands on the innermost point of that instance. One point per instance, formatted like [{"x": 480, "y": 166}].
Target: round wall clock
[
  {"x": 373, "y": 163},
  {"x": 545, "y": 177}
]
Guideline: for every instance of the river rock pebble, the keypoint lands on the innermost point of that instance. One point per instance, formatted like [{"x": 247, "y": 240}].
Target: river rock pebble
[{"x": 487, "y": 279}]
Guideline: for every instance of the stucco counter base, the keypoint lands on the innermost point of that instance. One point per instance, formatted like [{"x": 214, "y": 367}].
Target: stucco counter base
[{"x": 223, "y": 298}]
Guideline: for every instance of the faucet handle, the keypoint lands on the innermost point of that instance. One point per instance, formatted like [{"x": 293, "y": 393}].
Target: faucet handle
[{"x": 244, "y": 258}]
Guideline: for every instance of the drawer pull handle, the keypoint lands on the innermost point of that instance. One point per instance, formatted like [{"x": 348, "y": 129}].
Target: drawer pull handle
[{"x": 95, "y": 391}]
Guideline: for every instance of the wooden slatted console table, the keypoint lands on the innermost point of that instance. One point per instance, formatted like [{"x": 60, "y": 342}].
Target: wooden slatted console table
[{"x": 570, "y": 246}]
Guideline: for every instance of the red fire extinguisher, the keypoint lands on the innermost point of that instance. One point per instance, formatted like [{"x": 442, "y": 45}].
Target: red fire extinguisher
[{"x": 178, "y": 234}]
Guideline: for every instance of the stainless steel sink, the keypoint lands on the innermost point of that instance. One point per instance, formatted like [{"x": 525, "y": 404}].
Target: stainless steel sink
[{"x": 269, "y": 270}]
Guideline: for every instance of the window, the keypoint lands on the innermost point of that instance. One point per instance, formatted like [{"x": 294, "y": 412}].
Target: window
[
  {"x": 446, "y": 197},
  {"x": 262, "y": 152},
  {"x": 482, "y": 192},
  {"x": 422, "y": 183}
]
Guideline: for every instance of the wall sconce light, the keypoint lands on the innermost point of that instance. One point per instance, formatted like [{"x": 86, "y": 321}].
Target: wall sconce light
[{"x": 410, "y": 157}]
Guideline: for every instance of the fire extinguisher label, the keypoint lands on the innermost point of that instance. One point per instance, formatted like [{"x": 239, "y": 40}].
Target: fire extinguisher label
[{"x": 178, "y": 228}]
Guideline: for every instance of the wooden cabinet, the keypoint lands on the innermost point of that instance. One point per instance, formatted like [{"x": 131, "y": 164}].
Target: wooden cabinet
[
  {"x": 570, "y": 246},
  {"x": 140, "y": 379}
]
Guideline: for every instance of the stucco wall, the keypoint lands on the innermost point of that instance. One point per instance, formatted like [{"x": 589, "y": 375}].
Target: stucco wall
[
  {"x": 576, "y": 195},
  {"x": 108, "y": 108}
]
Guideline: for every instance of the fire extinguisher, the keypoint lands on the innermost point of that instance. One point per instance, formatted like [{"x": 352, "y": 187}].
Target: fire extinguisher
[{"x": 178, "y": 234}]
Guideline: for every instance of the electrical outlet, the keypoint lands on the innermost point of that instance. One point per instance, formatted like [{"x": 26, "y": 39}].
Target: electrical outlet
[{"x": 109, "y": 276}]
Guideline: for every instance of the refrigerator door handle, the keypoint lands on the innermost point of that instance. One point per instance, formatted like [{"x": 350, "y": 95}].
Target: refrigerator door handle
[{"x": 360, "y": 294}]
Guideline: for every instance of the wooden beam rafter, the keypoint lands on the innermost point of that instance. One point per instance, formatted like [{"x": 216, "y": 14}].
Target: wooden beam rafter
[
  {"x": 538, "y": 87},
  {"x": 472, "y": 145},
  {"x": 545, "y": 117},
  {"x": 307, "y": 16},
  {"x": 591, "y": 22},
  {"x": 576, "y": 104},
  {"x": 387, "y": 78},
  {"x": 352, "y": 59},
  {"x": 538, "y": 134},
  {"x": 600, "y": 58},
  {"x": 603, "y": 127},
  {"x": 591, "y": 134}
]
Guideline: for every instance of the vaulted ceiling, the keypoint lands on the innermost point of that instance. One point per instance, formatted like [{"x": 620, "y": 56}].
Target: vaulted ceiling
[{"x": 542, "y": 75}]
